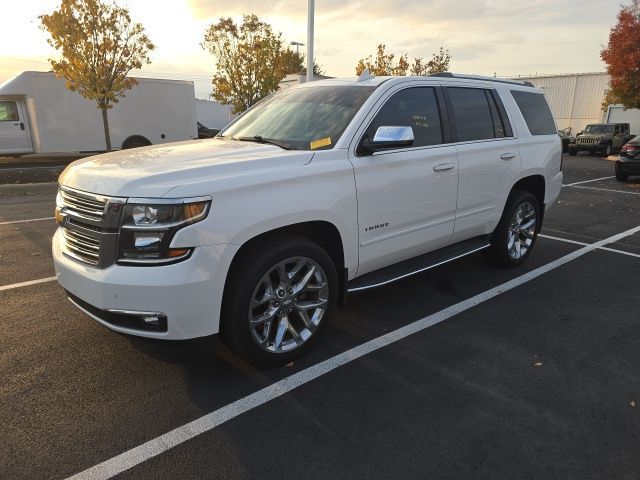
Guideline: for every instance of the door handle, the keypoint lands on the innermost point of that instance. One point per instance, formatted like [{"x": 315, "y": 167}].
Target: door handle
[
  {"x": 507, "y": 156},
  {"x": 443, "y": 167},
  {"x": 21, "y": 126}
]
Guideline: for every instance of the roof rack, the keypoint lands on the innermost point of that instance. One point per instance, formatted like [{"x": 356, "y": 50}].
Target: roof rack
[{"x": 479, "y": 77}]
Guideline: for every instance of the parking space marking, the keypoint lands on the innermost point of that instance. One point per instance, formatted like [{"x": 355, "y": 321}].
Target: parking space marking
[
  {"x": 575, "y": 242},
  {"x": 603, "y": 189},
  {"x": 167, "y": 441},
  {"x": 587, "y": 181},
  {"x": 26, "y": 221},
  {"x": 26, "y": 284}
]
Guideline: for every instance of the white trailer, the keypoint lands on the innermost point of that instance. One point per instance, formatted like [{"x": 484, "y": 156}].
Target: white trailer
[
  {"x": 38, "y": 114},
  {"x": 617, "y": 114}
]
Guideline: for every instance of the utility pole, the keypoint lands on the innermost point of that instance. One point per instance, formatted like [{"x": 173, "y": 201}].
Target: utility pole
[{"x": 310, "y": 19}]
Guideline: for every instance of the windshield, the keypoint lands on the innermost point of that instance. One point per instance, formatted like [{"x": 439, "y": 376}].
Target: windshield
[
  {"x": 311, "y": 118},
  {"x": 599, "y": 129}
]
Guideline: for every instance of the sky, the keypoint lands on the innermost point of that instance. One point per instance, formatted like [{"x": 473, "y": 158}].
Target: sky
[{"x": 484, "y": 37}]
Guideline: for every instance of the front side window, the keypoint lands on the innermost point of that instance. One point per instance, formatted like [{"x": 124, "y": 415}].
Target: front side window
[
  {"x": 8, "y": 112},
  {"x": 536, "y": 112},
  {"x": 308, "y": 118},
  {"x": 415, "y": 107},
  {"x": 473, "y": 118}
]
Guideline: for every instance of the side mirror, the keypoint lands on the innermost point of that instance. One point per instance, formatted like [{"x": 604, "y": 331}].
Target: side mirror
[{"x": 387, "y": 138}]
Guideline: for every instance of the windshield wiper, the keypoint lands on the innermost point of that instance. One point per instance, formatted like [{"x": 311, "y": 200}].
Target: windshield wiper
[{"x": 260, "y": 139}]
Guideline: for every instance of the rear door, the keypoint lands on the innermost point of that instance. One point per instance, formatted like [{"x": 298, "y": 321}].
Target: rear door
[
  {"x": 488, "y": 158},
  {"x": 14, "y": 131}
]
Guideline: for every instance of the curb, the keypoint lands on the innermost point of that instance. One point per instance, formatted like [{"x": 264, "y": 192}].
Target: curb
[{"x": 28, "y": 188}]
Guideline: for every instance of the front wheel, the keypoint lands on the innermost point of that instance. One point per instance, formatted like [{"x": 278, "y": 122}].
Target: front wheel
[
  {"x": 514, "y": 237},
  {"x": 279, "y": 296}
]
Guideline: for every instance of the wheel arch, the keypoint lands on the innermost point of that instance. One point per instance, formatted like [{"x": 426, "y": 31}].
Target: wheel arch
[
  {"x": 322, "y": 232},
  {"x": 135, "y": 140},
  {"x": 535, "y": 185}
]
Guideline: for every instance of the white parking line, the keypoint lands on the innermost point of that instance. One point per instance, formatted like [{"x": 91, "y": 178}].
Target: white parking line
[
  {"x": 26, "y": 221},
  {"x": 158, "y": 445},
  {"x": 566, "y": 240},
  {"x": 604, "y": 189},
  {"x": 587, "y": 181},
  {"x": 26, "y": 284}
]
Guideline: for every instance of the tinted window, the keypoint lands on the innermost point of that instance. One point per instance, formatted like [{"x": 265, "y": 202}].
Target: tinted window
[
  {"x": 413, "y": 107},
  {"x": 535, "y": 111},
  {"x": 308, "y": 118},
  {"x": 498, "y": 121},
  {"x": 8, "y": 112},
  {"x": 472, "y": 114}
]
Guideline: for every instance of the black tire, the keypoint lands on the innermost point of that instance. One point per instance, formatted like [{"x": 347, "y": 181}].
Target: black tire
[
  {"x": 135, "y": 141},
  {"x": 606, "y": 151},
  {"x": 573, "y": 152},
  {"x": 244, "y": 279},
  {"x": 622, "y": 177},
  {"x": 498, "y": 253}
]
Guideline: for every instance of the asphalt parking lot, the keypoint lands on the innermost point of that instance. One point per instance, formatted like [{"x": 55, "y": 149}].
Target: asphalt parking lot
[{"x": 465, "y": 371}]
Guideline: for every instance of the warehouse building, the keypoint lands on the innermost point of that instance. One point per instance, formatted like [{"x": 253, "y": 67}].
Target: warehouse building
[{"x": 576, "y": 100}]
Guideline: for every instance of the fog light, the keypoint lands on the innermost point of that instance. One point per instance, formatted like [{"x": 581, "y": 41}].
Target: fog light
[{"x": 151, "y": 320}]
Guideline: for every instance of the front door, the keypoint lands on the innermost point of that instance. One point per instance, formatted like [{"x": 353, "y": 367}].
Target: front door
[
  {"x": 406, "y": 196},
  {"x": 14, "y": 130}
]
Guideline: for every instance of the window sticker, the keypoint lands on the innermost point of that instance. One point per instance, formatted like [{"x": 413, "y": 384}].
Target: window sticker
[{"x": 323, "y": 142}]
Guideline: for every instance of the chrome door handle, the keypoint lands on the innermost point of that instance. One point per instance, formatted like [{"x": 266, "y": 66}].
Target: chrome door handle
[
  {"x": 443, "y": 167},
  {"x": 507, "y": 156}
]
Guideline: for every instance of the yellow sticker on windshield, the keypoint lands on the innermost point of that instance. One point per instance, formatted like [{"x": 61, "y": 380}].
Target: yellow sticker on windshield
[{"x": 323, "y": 142}]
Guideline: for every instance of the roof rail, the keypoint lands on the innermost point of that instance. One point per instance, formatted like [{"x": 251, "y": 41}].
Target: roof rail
[{"x": 479, "y": 77}]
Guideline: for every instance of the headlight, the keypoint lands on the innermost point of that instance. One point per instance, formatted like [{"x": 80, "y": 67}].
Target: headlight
[{"x": 149, "y": 225}]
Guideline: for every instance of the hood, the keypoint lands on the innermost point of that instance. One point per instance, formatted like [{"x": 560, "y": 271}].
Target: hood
[{"x": 155, "y": 170}]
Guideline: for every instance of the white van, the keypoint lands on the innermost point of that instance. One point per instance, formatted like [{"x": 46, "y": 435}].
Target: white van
[{"x": 38, "y": 114}]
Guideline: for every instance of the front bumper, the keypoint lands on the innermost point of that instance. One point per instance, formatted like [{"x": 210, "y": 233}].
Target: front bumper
[
  {"x": 188, "y": 293},
  {"x": 588, "y": 147},
  {"x": 628, "y": 166}
]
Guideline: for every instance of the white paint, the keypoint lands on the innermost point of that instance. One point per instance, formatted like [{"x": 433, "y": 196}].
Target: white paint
[
  {"x": 152, "y": 448},
  {"x": 26, "y": 284},
  {"x": 566, "y": 240},
  {"x": 588, "y": 181},
  {"x": 605, "y": 190},
  {"x": 26, "y": 221}
]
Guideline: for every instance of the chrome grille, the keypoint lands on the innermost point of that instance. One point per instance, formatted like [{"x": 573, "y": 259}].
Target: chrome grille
[
  {"x": 91, "y": 207},
  {"x": 81, "y": 246}
]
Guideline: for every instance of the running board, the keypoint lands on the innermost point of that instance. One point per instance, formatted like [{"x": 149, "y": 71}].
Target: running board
[{"x": 419, "y": 264}]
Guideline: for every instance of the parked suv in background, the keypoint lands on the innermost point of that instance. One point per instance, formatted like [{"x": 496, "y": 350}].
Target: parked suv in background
[
  {"x": 628, "y": 162},
  {"x": 601, "y": 138},
  {"x": 326, "y": 188}
]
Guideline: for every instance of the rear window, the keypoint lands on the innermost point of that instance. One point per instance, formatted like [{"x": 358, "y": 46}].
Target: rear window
[
  {"x": 535, "y": 111},
  {"x": 473, "y": 119}
]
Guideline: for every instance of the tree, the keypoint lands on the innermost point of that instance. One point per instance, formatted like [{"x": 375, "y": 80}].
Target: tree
[
  {"x": 294, "y": 62},
  {"x": 384, "y": 63},
  {"x": 622, "y": 56},
  {"x": 100, "y": 45},
  {"x": 250, "y": 62}
]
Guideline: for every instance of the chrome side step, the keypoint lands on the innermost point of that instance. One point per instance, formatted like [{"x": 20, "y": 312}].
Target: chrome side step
[{"x": 416, "y": 265}]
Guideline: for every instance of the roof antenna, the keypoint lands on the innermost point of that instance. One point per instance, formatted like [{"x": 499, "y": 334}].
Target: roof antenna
[{"x": 365, "y": 75}]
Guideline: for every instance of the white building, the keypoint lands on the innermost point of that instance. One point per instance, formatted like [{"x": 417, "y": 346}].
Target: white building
[{"x": 576, "y": 100}]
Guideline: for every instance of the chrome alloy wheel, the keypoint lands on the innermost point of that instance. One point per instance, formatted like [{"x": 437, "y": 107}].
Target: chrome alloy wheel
[
  {"x": 288, "y": 304},
  {"x": 521, "y": 230}
]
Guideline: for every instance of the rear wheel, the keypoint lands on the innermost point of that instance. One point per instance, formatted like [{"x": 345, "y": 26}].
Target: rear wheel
[
  {"x": 279, "y": 296},
  {"x": 514, "y": 237},
  {"x": 135, "y": 141}
]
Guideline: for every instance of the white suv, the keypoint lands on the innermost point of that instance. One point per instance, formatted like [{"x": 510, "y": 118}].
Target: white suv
[{"x": 330, "y": 187}]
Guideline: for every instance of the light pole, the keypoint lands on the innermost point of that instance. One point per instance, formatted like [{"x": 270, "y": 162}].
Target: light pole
[
  {"x": 298, "y": 45},
  {"x": 310, "y": 15}
]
